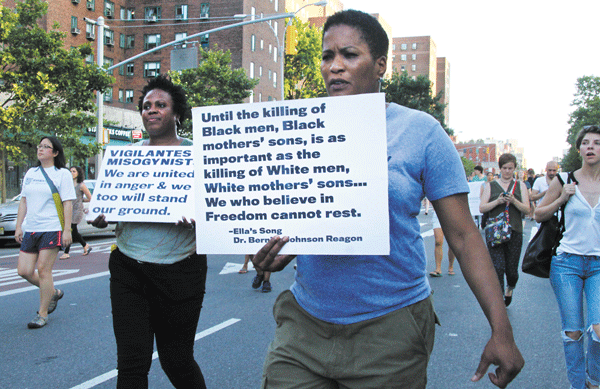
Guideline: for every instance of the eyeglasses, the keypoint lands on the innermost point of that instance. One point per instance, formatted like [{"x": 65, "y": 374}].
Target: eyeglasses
[{"x": 44, "y": 147}]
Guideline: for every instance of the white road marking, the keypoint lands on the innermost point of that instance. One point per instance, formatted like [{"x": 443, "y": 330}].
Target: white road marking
[{"x": 231, "y": 267}]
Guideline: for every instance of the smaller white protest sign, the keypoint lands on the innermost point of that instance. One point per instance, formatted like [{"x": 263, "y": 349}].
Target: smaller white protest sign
[
  {"x": 145, "y": 184},
  {"x": 474, "y": 197}
]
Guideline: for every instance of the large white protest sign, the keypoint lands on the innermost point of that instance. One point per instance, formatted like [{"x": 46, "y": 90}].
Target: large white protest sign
[
  {"x": 314, "y": 170},
  {"x": 474, "y": 198},
  {"x": 145, "y": 184}
]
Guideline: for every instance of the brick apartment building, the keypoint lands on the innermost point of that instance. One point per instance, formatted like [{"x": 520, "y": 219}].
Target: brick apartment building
[{"x": 417, "y": 56}]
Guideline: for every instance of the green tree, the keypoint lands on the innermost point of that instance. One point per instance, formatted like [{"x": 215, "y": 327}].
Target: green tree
[
  {"x": 468, "y": 165},
  {"x": 415, "y": 93},
  {"x": 587, "y": 112},
  {"x": 45, "y": 89},
  {"x": 213, "y": 82},
  {"x": 303, "y": 70}
]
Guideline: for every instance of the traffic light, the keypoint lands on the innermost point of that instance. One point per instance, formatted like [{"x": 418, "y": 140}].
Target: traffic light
[{"x": 291, "y": 40}]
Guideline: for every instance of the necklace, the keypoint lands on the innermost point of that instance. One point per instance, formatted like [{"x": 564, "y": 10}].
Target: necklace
[{"x": 505, "y": 182}]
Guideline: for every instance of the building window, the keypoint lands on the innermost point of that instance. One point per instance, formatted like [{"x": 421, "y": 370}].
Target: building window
[
  {"x": 121, "y": 95},
  {"x": 129, "y": 41},
  {"x": 274, "y": 79},
  {"x": 152, "y": 14},
  {"x": 122, "y": 70},
  {"x": 90, "y": 32},
  {"x": 253, "y": 13},
  {"x": 393, "y": 47},
  {"x": 204, "y": 10},
  {"x": 151, "y": 69},
  {"x": 108, "y": 95},
  {"x": 414, "y": 46},
  {"x": 89, "y": 59},
  {"x": 253, "y": 42},
  {"x": 403, "y": 68},
  {"x": 109, "y": 37},
  {"x": 109, "y": 9},
  {"x": 270, "y": 48},
  {"x": 181, "y": 12},
  {"x": 275, "y": 27},
  {"x": 262, "y": 44},
  {"x": 204, "y": 41},
  {"x": 73, "y": 22},
  {"x": 122, "y": 40},
  {"x": 274, "y": 54},
  {"x": 91, "y": 5},
  {"x": 414, "y": 68},
  {"x": 151, "y": 41},
  {"x": 127, "y": 13},
  {"x": 181, "y": 36},
  {"x": 108, "y": 62},
  {"x": 414, "y": 57},
  {"x": 403, "y": 57},
  {"x": 403, "y": 46},
  {"x": 129, "y": 69},
  {"x": 129, "y": 95},
  {"x": 260, "y": 71},
  {"x": 251, "y": 69}
]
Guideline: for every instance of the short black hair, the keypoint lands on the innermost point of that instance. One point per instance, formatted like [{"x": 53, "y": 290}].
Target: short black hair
[
  {"x": 369, "y": 27},
  {"x": 479, "y": 167},
  {"x": 163, "y": 82},
  {"x": 584, "y": 131},
  {"x": 59, "y": 160}
]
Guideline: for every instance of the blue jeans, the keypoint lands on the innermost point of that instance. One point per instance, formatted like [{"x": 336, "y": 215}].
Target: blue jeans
[{"x": 571, "y": 277}]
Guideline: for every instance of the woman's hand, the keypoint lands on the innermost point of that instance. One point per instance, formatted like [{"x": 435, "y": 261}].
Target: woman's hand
[
  {"x": 19, "y": 235},
  {"x": 99, "y": 222},
  {"x": 67, "y": 238},
  {"x": 568, "y": 190},
  {"x": 188, "y": 225},
  {"x": 266, "y": 259}
]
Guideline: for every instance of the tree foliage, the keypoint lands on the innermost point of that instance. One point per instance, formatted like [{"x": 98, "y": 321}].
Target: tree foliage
[
  {"x": 303, "y": 70},
  {"x": 45, "y": 89},
  {"x": 415, "y": 93},
  {"x": 213, "y": 82},
  {"x": 587, "y": 112},
  {"x": 468, "y": 165}
]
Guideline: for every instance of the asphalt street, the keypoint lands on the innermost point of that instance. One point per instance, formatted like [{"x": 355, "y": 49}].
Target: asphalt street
[{"x": 77, "y": 350}]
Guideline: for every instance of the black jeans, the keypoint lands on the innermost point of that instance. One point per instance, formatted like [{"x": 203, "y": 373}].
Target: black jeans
[
  {"x": 156, "y": 301},
  {"x": 506, "y": 257}
]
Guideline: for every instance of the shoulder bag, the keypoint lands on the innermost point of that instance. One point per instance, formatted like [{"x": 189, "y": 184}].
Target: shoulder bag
[
  {"x": 498, "y": 230},
  {"x": 542, "y": 247},
  {"x": 57, "y": 200}
]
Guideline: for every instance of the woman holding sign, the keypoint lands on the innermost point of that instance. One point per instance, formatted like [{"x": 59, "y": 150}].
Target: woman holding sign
[
  {"x": 156, "y": 278},
  {"x": 347, "y": 302}
]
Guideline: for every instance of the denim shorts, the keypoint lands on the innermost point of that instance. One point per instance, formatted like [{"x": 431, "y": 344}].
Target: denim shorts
[{"x": 33, "y": 242}]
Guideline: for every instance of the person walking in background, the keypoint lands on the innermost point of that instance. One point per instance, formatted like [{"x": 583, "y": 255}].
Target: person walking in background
[
  {"x": 80, "y": 190},
  {"x": 157, "y": 281},
  {"x": 541, "y": 184},
  {"x": 39, "y": 229},
  {"x": 438, "y": 250},
  {"x": 575, "y": 269},
  {"x": 496, "y": 196},
  {"x": 478, "y": 174},
  {"x": 367, "y": 321},
  {"x": 261, "y": 278}
]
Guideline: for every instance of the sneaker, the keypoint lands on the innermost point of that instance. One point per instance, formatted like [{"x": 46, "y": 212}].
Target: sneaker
[
  {"x": 58, "y": 294},
  {"x": 266, "y": 288},
  {"x": 38, "y": 322},
  {"x": 257, "y": 281}
]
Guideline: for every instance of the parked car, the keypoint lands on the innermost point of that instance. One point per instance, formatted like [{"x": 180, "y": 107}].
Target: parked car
[{"x": 8, "y": 219}]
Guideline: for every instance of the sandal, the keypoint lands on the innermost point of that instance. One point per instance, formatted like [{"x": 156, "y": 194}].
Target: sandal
[
  {"x": 64, "y": 256},
  {"x": 435, "y": 274},
  {"x": 451, "y": 272},
  {"x": 243, "y": 271},
  {"x": 89, "y": 249}
]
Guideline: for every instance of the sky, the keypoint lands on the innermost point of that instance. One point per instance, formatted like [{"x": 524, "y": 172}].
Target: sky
[{"x": 513, "y": 64}]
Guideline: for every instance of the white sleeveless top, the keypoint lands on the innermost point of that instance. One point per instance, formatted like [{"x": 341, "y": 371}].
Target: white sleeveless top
[{"x": 582, "y": 227}]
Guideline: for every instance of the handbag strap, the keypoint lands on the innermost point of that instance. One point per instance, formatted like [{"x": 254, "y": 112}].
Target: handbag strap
[
  {"x": 56, "y": 198},
  {"x": 508, "y": 205}
]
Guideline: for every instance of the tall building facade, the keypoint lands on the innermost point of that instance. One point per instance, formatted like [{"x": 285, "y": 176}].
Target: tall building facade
[{"x": 417, "y": 56}]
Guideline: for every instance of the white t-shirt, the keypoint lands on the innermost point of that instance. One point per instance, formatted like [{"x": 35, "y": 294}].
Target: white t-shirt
[
  {"x": 41, "y": 213},
  {"x": 540, "y": 185}
]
